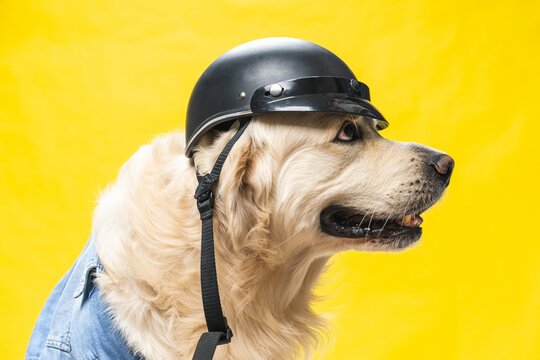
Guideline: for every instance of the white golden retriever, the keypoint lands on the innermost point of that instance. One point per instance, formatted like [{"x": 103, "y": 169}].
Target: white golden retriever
[{"x": 296, "y": 189}]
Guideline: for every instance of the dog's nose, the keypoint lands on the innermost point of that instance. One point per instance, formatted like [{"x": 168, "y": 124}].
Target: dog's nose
[{"x": 444, "y": 165}]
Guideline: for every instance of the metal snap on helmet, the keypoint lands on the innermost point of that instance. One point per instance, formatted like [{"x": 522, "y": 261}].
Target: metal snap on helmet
[{"x": 270, "y": 75}]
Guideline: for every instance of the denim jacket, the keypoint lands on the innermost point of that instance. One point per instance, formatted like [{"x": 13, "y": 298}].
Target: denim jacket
[{"x": 74, "y": 323}]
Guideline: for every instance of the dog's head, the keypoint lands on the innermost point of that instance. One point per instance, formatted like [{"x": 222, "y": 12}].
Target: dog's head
[{"x": 323, "y": 183}]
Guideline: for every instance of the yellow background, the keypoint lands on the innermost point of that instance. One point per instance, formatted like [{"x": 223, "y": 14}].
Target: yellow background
[{"x": 84, "y": 83}]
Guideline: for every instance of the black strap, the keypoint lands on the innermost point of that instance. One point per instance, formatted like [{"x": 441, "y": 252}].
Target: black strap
[
  {"x": 207, "y": 345},
  {"x": 218, "y": 329}
]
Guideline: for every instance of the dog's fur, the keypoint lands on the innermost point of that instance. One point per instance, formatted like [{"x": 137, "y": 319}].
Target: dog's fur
[{"x": 269, "y": 247}]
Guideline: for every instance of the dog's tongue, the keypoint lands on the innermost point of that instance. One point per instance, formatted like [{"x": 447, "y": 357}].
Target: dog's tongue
[{"x": 410, "y": 220}]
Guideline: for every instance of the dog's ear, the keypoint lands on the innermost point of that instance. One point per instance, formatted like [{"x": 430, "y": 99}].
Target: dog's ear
[{"x": 246, "y": 200}]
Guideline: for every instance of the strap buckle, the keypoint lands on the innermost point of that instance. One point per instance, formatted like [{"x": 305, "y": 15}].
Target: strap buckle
[
  {"x": 205, "y": 204},
  {"x": 205, "y": 196},
  {"x": 205, "y": 184},
  {"x": 226, "y": 337}
]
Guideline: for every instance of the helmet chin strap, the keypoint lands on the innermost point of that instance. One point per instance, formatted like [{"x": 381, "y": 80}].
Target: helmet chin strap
[{"x": 218, "y": 330}]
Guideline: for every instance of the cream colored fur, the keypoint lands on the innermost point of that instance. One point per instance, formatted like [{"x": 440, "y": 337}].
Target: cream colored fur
[{"x": 269, "y": 248}]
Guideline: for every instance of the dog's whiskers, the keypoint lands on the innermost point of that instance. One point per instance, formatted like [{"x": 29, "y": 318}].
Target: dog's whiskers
[
  {"x": 388, "y": 217},
  {"x": 361, "y": 221},
  {"x": 369, "y": 224}
]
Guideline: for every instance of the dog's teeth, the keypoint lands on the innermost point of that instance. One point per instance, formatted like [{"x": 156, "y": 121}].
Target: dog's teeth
[
  {"x": 406, "y": 219},
  {"x": 410, "y": 220}
]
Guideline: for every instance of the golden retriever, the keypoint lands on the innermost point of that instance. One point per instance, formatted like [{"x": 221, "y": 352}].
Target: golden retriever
[{"x": 296, "y": 189}]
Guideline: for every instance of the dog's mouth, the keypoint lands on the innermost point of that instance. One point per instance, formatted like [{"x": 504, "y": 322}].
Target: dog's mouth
[{"x": 394, "y": 233}]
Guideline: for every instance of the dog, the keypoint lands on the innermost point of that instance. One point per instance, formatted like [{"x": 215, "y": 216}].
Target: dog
[{"x": 296, "y": 189}]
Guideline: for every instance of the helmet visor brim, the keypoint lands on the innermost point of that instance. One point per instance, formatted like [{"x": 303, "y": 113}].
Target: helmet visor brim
[{"x": 320, "y": 94}]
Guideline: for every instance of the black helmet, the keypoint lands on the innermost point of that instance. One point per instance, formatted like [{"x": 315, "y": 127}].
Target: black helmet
[{"x": 274, "y": 74}]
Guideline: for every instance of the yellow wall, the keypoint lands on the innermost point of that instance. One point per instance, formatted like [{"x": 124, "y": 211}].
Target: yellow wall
[{"x": 84, "y": 83}]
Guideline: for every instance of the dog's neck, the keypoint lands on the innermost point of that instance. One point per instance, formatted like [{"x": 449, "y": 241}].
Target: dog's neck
[{"x": 272, "y": 306}]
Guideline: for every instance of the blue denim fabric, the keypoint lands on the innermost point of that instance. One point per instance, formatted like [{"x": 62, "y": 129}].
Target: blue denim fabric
[{"x": 74, "y": 323}]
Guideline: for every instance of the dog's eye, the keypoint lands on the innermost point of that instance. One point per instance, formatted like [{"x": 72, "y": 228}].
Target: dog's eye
[{"x": 348, "y": 132}]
